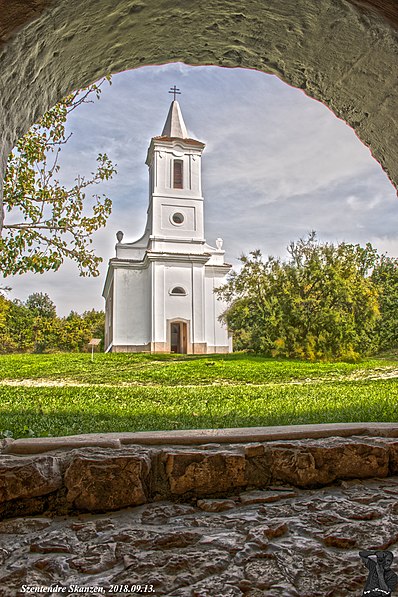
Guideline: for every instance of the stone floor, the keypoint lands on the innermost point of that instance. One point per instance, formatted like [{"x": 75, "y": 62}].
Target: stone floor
[{"x": 279, "y": 542}]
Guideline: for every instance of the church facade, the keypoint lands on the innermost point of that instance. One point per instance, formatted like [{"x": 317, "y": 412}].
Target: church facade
[{"x": 159, "y": 290}]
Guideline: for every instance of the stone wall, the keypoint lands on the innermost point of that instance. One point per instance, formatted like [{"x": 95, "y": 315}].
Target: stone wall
[{"x": 99, "y": 479}]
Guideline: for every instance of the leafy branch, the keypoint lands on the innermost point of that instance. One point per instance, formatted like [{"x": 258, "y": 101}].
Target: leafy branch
[{"x": 48, "y": 222}]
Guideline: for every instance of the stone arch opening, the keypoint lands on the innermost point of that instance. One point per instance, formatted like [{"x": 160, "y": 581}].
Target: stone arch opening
[{"x": 337, "y": 52}]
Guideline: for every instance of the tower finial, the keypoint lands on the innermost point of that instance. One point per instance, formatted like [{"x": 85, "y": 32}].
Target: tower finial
[
  {"x": 175, "y": 91},
  {"x": 175, "y": 125}
]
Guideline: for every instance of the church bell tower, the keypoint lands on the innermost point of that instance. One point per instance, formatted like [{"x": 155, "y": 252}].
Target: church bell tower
[
  {"x": 175, "y": 212},
  {"x": 159, "y": 290}
]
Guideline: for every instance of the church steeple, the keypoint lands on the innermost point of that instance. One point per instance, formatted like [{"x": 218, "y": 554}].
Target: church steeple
[
  {"x": 175, "y": 125},
  {"x": 175, "y": 211}
]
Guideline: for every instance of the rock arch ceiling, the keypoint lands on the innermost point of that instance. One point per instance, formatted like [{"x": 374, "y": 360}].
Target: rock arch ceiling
[{"x": 343, "y": 53}]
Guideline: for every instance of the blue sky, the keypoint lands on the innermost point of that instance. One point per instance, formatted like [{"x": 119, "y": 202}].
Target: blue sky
[{"x": 277, "y": 164}]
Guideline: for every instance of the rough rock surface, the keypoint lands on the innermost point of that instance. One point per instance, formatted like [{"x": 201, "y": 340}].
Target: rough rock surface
[
  {"x": 98, "y": 480},
  {"x": 28, "y": 477},
  {"x": 201, "y": 472},
  {"x": 306, "y": 464},
  {"x": 304, "y": 544}
]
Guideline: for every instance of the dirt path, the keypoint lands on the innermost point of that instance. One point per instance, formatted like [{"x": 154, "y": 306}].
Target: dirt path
[{"x": 364, "y": 375}]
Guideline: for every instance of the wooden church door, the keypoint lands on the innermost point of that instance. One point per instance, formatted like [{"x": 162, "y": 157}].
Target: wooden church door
[{"x": 178, "y": 337}]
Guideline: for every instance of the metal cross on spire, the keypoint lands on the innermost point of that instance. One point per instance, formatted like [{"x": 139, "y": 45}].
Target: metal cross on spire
[{"x": 175, "y": 91}]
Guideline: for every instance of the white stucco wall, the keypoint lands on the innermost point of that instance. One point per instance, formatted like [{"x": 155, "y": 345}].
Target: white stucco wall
[
  {"x": 160, "y": 161},
  {"x": 198, "y": 304},
  {"x": 131, "y": 307},
  {"x": 165, "y": 306},
  {"x": 157, "y": 300},
  {"x": 216, "y": 332},
  {"x": 162, "y": 209}
]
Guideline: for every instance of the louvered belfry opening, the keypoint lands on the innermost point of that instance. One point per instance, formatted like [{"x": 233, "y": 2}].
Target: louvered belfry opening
[{"x": 177, "y": 174}]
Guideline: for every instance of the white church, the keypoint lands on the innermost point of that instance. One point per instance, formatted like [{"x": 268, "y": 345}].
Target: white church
[{"x": 159, "y": 290}]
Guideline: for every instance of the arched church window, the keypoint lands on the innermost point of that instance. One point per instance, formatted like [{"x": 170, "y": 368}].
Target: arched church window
[
  {"x": 178, "y": 291},
  {"x": 177, "y": 174}
]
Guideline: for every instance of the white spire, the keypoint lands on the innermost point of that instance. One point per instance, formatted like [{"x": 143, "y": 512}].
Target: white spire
[{"x": 175, "y": 125}]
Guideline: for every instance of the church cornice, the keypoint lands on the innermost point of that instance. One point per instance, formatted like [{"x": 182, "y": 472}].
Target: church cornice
[
  {"x": 150, "y": 256},
  {"x": 175, "y": 199},
  {"x": 172, "y": 239},
  {"x": 117, "y": 262},
  {"x": 224, "y": 268},
  {"x": 171, "y": 142},
  {"x": 179, "y": 141},
  {"x": 179, "y": 257}
]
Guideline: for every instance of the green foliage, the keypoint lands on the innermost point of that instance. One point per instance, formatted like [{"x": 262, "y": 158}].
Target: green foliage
[
  {"x": 19, "y": 328},
  {"x": 77, "y": 330},
  {"x": 33, "y": 326},
  {"x": 385, "y": 277},
  {"x": 40, "y": 305},
  {"x": 6, "y": 341},
  {"x": 45, "y": 221},
  {"x": 318, "y": 304},
  {"x": 119, "y": 392}
]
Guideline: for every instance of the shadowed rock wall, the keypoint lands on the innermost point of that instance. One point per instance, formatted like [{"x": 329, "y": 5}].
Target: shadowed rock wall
[
  {"x": 96, "y": 479},
  {"x": 273, "y": 543}
]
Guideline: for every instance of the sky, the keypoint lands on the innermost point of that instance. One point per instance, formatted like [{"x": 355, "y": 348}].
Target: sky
[{"x": 277, "y": 165}]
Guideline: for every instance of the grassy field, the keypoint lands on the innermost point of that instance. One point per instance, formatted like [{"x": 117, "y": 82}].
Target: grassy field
[{"x": 63, "y": 394}]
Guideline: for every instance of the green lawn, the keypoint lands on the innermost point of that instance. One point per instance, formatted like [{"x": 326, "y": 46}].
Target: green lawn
[{"x": 64, "y": 394}]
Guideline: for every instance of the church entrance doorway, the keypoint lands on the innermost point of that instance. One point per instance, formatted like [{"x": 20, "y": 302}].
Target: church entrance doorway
[{"x": 178, "y": 337}]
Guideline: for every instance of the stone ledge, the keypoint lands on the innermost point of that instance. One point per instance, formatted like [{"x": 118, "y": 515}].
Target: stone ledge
[
  {"x": 198, "y": 436},
  {"x": 104, "y": 477}
]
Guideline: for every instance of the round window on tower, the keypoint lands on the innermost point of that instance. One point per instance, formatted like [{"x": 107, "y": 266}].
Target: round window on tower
[{"x": 177, "y": 218}]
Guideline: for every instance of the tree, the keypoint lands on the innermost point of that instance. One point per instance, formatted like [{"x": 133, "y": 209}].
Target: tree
[
  {"x": 77, "y": 330},
  {"x": 44, "y": 221},
  {"x": 33, "y": 326},
  {"x": 96, "y": 324},
  {"x": 40, "y": 305},
  {"x": 318, "y": 304},
  {"x": 6, "y": 340},
  {"x": 385, "y": 277},
  {"x": 20, "y": 326},
  {"x": 46, "y": 332}
]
